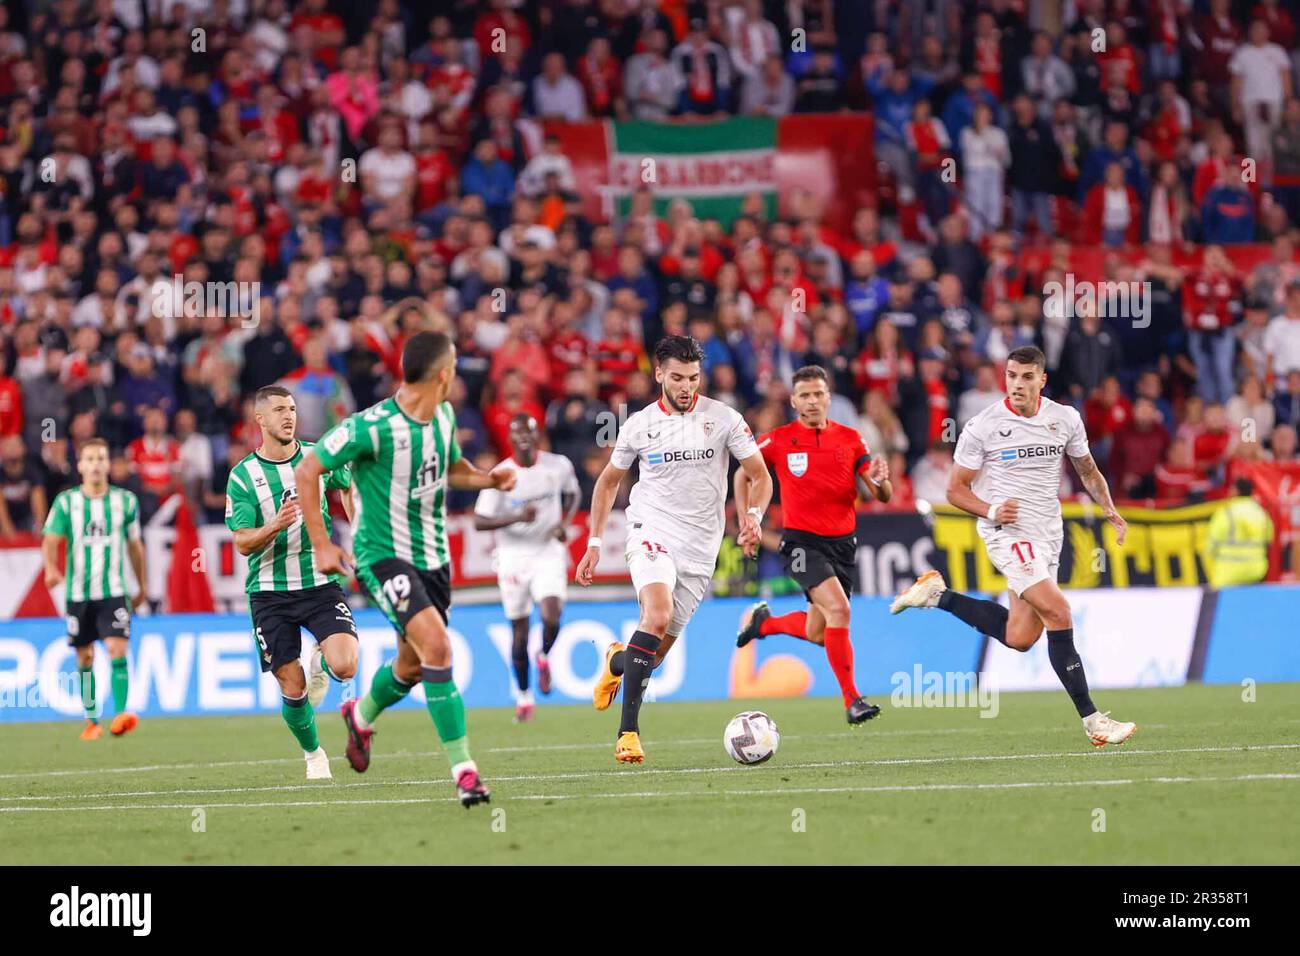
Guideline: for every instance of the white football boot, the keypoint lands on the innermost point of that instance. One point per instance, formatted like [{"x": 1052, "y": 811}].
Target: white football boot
[
  {"x": 318, "y": 680},
  {"x": 318, "y": 765},
  {"x": 924, "y": 593},
  {"x": 1101, "y": 730}
]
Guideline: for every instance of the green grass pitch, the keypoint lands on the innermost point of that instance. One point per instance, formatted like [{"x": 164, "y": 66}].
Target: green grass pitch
[{"x": 1209, "y": 778}]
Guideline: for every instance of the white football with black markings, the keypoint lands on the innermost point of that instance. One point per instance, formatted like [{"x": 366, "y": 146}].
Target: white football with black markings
[{"x": 751, "y": 737}]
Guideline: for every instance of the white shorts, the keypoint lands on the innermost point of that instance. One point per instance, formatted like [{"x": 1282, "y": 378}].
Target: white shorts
[
  {"x": 1023, "y": 559},
  {"x": 530, "y": 576},
  {"x": 656, "y": 566}
]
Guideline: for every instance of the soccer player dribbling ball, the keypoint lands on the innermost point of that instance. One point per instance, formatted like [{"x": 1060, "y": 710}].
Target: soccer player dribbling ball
[
  {"x": 287, "y": 591},
  {"x": 404, "y": 456},
  {"x": 675, "y": 519},
  {"x": 819, "y": 465},
  {"x": 531, "y": 558},
  {"x": 101, "y": 524},
  {"x": 1007, "y": 472}
]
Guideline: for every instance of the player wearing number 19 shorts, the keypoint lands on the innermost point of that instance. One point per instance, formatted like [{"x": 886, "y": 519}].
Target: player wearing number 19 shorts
[
  {"x": 1007, "y": 472},
  {"x": 404, "y": 457},
  {"x": 682, "y": 446}
]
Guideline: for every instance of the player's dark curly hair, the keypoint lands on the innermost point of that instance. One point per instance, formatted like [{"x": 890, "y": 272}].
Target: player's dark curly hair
[{"x": 680, "y": 347}]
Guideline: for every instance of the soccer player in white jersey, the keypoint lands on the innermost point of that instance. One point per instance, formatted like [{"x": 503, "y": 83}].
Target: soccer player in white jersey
[
  {"x": 532, "y": 562},
  {"x": 1007, "y": 472},
  {"x": 675, "y": 519}
]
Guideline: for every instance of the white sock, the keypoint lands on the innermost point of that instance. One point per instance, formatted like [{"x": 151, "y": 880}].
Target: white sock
[
  {"x": 358, "y": 719},
  {"x": 460, "y": 768},
  {"x": 309, "y": 754},
  {"x": 525, "y": 697}
]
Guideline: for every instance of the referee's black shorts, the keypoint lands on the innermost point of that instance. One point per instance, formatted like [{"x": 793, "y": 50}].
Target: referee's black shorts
[{"x": 813, "y": 558}]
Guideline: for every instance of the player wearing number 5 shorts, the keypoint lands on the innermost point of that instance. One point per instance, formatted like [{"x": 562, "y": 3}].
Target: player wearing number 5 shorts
[
  {"x": 101, "y": 525},
  {"x": 287, "y": 590},
  {"x": 1007, "y": 472},
  {"x": 682, "y": 445},
  {"x": 404, "y": 456}
]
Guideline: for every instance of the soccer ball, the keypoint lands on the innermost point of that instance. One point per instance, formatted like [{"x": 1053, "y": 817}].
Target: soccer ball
[{"x": 751, "y": 737}]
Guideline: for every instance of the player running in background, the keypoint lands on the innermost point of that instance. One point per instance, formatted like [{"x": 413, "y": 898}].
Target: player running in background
[
  {"x": 1007, "y": 472},
  {"x": 820, "y": 466},
  {"x": 404, "y": 456},
  {"x": 287, "y": 591},
  {"x": 101, "y": 524},
  {"x": 532, "y": 561},
  {"x": 674, "y": 520}
]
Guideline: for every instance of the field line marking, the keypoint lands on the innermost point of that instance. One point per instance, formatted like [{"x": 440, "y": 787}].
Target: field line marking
[
  {"x": 779, "y": 791},
  {"x": 726, "y": 768}
]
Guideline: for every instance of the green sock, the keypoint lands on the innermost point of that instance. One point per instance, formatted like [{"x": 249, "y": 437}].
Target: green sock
[
  {"x": 385, "y": 691},
  {"x": 300, "y": 717},
  {"x": 120, "y": 682},
  {"x": 86, "y": 676},
  {"x": 325, "y": 666},
  {"x": 448, "y": 712}
]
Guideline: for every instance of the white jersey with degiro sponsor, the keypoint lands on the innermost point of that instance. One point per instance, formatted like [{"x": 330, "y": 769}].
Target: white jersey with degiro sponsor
[
  {"x": 679, "y": 497},
  {"x": 543, "y": 485},
  {"x": 1021, "y": 458}
]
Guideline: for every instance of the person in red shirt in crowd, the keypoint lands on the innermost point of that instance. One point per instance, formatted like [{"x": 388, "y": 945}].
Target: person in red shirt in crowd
[
  {"x": 601, "y": 77},
  {"x": 986, "y": 53},
  {"x": 324, "y": 28},
  {"x": 433, "y": 169},
  {"x": 820, "y": 466},
  {"x": 882, "y": 362},
  {"x": 933, "y": 364},
  {"x": 1214, "y": 443},
  {"x": 499, "y": 29},
  {"x": 618, "y": 353},
  {"x": 11, "y": 406},
  {"x": 522, "y": 352},
  {"x": 1140, "y": 446},
  {"x": 154, "y": 457},
  {"x": 1119, "y": 61},
  {"x": 1104, "y": 413},
  {"x": 1179, "y": 478},
  {"x": 1215, "y": 37},
  {"x": 1211, "y": 307},
  {"x": 1281, "y": 26},
  {"x": 567, "y": 348},
  {"x": 512, "y": 399}
]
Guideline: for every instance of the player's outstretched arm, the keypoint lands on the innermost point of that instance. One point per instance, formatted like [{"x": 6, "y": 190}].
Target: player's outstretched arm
[
  {"x": 1086, "y": 468},
  {"x": 602, "y": 502},
  {"x": 524, "y": 515},
  {"x": 752, "y": 489},
  {"x": 961, "y": 495},
  {"x": 464, "y": 476}
]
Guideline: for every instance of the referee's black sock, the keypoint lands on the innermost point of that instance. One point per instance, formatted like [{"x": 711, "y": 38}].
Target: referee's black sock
[
  {"x": 519, "y": 657},
  {"x": 1069, "y": 668},
  {"x": 987, "y": 617},
  {"x": 638, "y": 663}
]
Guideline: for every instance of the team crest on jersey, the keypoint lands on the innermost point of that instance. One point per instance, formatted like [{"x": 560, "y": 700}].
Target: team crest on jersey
[
  {"x": 797, "y": 462},
  {"x": 1051, "y": 427},
  {"x": 708, "y": 427},
  {"x": 289, "y": 494}
]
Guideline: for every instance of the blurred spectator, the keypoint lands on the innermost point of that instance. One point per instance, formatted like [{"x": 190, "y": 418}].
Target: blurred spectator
[
  {"x": 1140, "y": 445},
  {"x": 1212, "y": 304},
  {"x": 930, "y": 475},
  {"x": 23, "y": 500}
]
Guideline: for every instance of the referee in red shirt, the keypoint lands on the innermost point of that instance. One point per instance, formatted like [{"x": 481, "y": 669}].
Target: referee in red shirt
[{"x": 820, "y": 465}]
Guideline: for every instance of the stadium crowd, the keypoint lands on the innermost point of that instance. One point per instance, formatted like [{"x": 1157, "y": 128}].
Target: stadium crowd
[{"x": 211, "y": 139}]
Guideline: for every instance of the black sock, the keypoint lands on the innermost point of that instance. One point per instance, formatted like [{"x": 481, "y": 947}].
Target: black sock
[
  {"x": 616, "y": 663},
  {"x": 638, "y": 662},
  {"x": 550, "y": 632},
  {"x": 519, "y": 657},
  {"x": 987, "y": 617},
  {"x": 1068, "y": 667}
]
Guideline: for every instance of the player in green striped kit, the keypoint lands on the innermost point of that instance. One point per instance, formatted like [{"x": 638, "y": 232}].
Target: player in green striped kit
[
  {"x": 404, "y": 456},
  {"x": 101, "y": 524},
  {"x": 287, "y": 590}
]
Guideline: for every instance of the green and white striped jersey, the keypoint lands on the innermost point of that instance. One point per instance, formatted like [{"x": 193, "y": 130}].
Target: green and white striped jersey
[
  {"x": 399, "y": 491},
  {"x": 97, "y": 530},
  {"x": 254, "y": 493}
]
